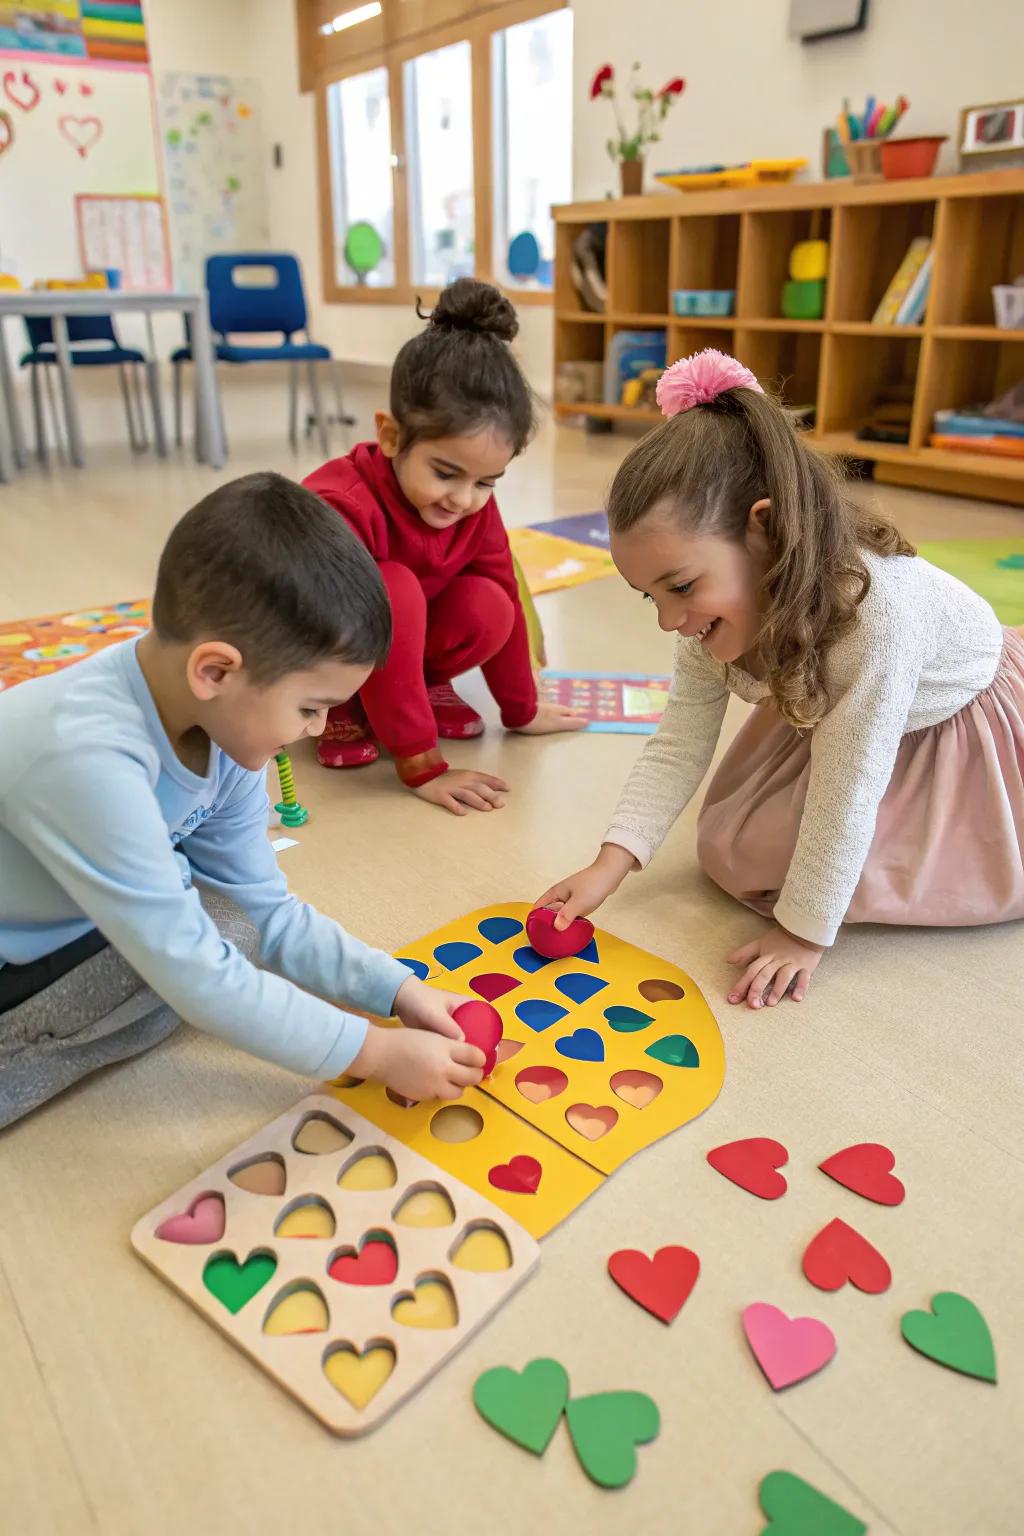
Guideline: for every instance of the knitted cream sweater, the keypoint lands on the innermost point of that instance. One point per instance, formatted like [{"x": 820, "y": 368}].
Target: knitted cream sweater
[{"x": 924, "y": 645}]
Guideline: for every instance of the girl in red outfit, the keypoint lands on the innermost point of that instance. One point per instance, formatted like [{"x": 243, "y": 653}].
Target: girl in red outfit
[{"x": 421, "y": 498}]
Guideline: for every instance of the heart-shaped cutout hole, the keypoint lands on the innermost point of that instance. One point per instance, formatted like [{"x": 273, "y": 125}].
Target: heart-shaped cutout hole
[
  {"x": 372, "y": 1169},
  {"x": 264, "y": 1175},
  {"x": 431, "y": 1305},
  {"x": 298, "y": 1308},
  {"x": 507, "y": 1049},
  {"x": 203, "y": 1222},
  {"x": 482, "y": 1248},
  {"x": 540, "y": 1083},
  {"x": 424, "y": 1205},
  {"x": 308, "y": 1216},
  {"x": 636, "y": 1088},
  {"x": 592, "y": 1120},
  {"x": 374, "y": 1262},
  {"x": 235, "y": 1284},
  {"x": 456, "y": 1122},
  {"x": 660, "y": 991},
  {"x": 318, "y": 1134},
  {"x": 359, "y": 1375}
]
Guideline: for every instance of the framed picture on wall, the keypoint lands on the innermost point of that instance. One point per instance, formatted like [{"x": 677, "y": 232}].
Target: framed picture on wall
[
  {"x": 992, "y": 135},
  {"x": 813, "y": 20}
]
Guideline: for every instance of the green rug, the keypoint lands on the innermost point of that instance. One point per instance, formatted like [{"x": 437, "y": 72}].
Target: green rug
[{"x": 994, "y": 568}]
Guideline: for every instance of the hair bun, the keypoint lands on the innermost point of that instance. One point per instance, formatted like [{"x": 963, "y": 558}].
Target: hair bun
[{"x": 469, "y": 305}]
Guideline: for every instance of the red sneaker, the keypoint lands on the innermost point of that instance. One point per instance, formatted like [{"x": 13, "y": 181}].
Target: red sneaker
[
  {"x": 453, "y": 716},
  {"x": 347, "y": 741}
]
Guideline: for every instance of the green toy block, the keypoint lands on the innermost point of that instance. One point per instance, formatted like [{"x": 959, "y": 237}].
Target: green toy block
[{"x": 803, "y": 300}]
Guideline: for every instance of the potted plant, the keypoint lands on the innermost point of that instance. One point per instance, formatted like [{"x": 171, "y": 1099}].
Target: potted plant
[{"x": 651, "y": 110}]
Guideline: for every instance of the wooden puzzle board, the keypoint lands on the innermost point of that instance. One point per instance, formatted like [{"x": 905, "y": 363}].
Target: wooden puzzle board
[
  {"x": 613, "y": 1006},
  {"x": 359, "y": 1316}
]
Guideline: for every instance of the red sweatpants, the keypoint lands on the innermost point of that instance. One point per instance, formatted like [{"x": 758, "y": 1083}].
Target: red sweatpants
[{"x": 467, "y": 625}]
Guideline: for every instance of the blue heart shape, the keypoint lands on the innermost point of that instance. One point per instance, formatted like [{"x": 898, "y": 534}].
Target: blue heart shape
[
  {"x": 536, "y": 1013},
  {"x": 579, "y": 987},
  {"x": 416, "y": 966},
  {"x": 581, "y": 1045},
  {"x": 457, "y": 953},
  {"x": 528, "y": 959},
  {"x": 497, "y": 929}
]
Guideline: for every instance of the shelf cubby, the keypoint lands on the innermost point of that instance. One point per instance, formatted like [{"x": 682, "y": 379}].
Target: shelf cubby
[
  {"x": 638, "y": 266},
  {"x": 857, "y": 369},
  {"x": 981, "y": 243},
  {"x": 766, "y": 240},
  {"x": 871, "y": 241},
  {"x": 704, "y": 252},
  {"x": 685, "y": 338},
  {"x": 962, "y": 374},
  {"x": 786, "y": 361}
]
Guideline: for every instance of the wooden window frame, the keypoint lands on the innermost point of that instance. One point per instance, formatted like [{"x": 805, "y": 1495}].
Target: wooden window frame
[{"x": 322, "y": 64}]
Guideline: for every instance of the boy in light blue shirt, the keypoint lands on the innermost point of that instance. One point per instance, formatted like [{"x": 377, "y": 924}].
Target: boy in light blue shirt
[{"x": 130, "y": 775}]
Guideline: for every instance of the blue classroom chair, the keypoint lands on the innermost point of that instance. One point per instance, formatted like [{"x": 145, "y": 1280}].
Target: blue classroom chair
[
  {"x": 93, "y": 343},
  {"x": 246, "y": 309}
]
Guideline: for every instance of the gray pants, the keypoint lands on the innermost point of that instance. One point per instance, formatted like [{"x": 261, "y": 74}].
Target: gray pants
[{"x": 98, "y": 1013}]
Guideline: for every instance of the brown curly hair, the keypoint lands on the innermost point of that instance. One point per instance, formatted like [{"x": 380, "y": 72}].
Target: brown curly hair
[{"x": 710, "y": 464}]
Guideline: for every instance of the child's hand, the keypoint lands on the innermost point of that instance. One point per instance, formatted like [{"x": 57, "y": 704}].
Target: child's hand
[
  {"x": 419, "y": 1064},
  {"x": 773, "y": 964},
  {"x": 550, "y": 718},
  {"x": 422, "y": 1007},
  {"x": 583, "y": 892},
  {"x": 464, "y": 789}
]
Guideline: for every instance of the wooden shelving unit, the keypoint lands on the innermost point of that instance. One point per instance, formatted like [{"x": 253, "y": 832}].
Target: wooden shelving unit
[{"x": 742, "y": 240}]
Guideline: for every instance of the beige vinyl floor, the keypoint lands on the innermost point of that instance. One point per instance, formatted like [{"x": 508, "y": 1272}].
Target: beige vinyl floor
[{"x": 122, "y": 1412}]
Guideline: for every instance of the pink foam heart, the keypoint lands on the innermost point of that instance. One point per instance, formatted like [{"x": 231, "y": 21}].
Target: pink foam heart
[
  {"x": 788, "y": 1349},
  {"x": 203, "y": 1222}
]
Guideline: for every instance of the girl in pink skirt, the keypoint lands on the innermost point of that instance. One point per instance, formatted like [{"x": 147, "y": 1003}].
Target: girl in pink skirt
[{"x": 880, "y": 778}]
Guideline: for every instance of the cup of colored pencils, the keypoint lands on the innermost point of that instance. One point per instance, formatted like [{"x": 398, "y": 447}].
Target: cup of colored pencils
[{"x": 862, "y": 134}]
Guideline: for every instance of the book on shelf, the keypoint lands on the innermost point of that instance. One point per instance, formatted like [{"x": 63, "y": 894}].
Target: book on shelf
[
  {"x": 967, "y": 423},
  {"x": 902, "y": 281},
  {"x": 911, "y": 311}
]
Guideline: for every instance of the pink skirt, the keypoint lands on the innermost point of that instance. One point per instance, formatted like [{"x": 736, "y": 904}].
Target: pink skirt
[{"x": 948, "y": 849}]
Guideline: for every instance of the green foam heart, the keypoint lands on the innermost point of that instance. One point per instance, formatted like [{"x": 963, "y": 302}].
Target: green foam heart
[
  {"x": 234, "y": 1284},
  {"x": 674, "y": 1051},
  {"x": 524, "y": 1405},
  {"x": 954, "y": 1333},
  {"x": 794, "y": 1508},
  {"x": 607, "y": 1428},
  {"x": 626, "y": 1020}
]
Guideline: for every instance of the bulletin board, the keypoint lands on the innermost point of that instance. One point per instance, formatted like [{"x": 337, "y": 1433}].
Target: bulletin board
[
  {"x": 126, "y": 233},
  {"x": 215, "y": 163},
  {"x": 74, "y": 129}
]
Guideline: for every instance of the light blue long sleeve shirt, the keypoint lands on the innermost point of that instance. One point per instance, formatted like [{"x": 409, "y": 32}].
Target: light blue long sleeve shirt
[{"x": 102, "y": 826}]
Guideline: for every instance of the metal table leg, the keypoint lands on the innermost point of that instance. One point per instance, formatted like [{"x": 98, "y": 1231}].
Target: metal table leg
[
  {"x": 208, "y": 419},
  {"x": 71, "y": 417},
  {"x": 14, "y": 433}
]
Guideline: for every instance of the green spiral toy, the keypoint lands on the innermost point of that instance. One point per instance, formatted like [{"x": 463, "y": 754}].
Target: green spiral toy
[{"x": 291, "y": 812}]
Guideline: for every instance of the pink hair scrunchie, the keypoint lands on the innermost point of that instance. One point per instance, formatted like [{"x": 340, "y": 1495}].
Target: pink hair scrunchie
[{"x": 700, "y": 379}]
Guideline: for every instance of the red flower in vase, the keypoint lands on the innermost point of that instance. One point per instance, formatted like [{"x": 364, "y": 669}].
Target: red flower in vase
[
  {"x": 675, "y": 87},
  {"x": 604, "y": 76}
]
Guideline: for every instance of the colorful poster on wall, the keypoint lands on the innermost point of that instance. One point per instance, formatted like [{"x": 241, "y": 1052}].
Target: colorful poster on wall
[
  {"x": 103, "y": 31},
  {"x": 214, "y": 162},
  {"x": 128, "y": 235}
]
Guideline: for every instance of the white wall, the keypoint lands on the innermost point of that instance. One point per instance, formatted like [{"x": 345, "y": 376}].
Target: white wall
[{"x": 754, "y": 92}]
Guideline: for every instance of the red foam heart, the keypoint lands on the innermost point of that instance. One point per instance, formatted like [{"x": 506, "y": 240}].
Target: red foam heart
[
  {"x": 25, "y": 96},
  {"x": 375, "y": 1264},
  {"x": 753, "y": 1165},
  {"x": 203, "y": 1222},
  {"x": 788, "y": 1349},
  {"x": 838, "y": 1254},
  {"x": 866, "y": 1169},
  {"x": 493, "y": 985},
  {"x": 519, "y": 1176},
  {"x": 482, "y": 1027},
  {"x": 557, "y": 943},
  {"x": 661, "y": 1284},
  {"x": 83, "y": 132}
]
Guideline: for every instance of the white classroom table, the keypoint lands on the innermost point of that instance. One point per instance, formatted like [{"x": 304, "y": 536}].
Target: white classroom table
[{"x": 57, "y": 305}]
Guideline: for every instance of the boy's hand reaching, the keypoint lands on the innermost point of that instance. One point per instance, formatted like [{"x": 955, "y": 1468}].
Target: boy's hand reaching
[
  {"x": 584, "y": 891},
  {"x": 550, "y": 718},
  {"x": 422, "y": 1007},
  {"x": 772, "y": 965}
]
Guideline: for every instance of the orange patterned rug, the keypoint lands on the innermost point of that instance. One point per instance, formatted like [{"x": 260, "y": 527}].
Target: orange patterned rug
[{"x": 34, "y": 647}]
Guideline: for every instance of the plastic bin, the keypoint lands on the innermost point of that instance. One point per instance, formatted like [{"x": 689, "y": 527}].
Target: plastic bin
[{"x": 910, "y": 157}]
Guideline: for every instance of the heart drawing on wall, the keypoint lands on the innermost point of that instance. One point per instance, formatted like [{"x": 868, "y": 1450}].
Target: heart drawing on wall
[
  {"x": 25, "y": 95},
  {"x": 83, "y": 132},
  {"x": 6, "y": 131}
]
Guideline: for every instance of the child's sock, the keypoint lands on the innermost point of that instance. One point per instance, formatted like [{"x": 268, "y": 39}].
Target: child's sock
[
  {"x": 347, "y": 741},
  {"x": 456, "y": 721}
]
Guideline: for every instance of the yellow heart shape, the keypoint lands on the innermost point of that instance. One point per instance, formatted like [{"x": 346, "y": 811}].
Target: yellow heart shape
[
  {"x": 368, "y": 1170},
  {"x": 301, "y": 1311},
  {"x": 433, "y": 1306},
  {"x": 426, "y": 1207},
  {"x": 359, "y": 1377},
  {"x": 483, "y": 1249}
]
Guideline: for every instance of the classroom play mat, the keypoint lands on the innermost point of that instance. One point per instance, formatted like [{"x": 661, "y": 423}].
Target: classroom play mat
[
  {"x": 353, "y": 1245},
  {"x": 35, "y": 647},
  {"x": 550, "y": 562},
  {"x": 994, "y": 568},
  {"x": 622, "y": 703}
]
